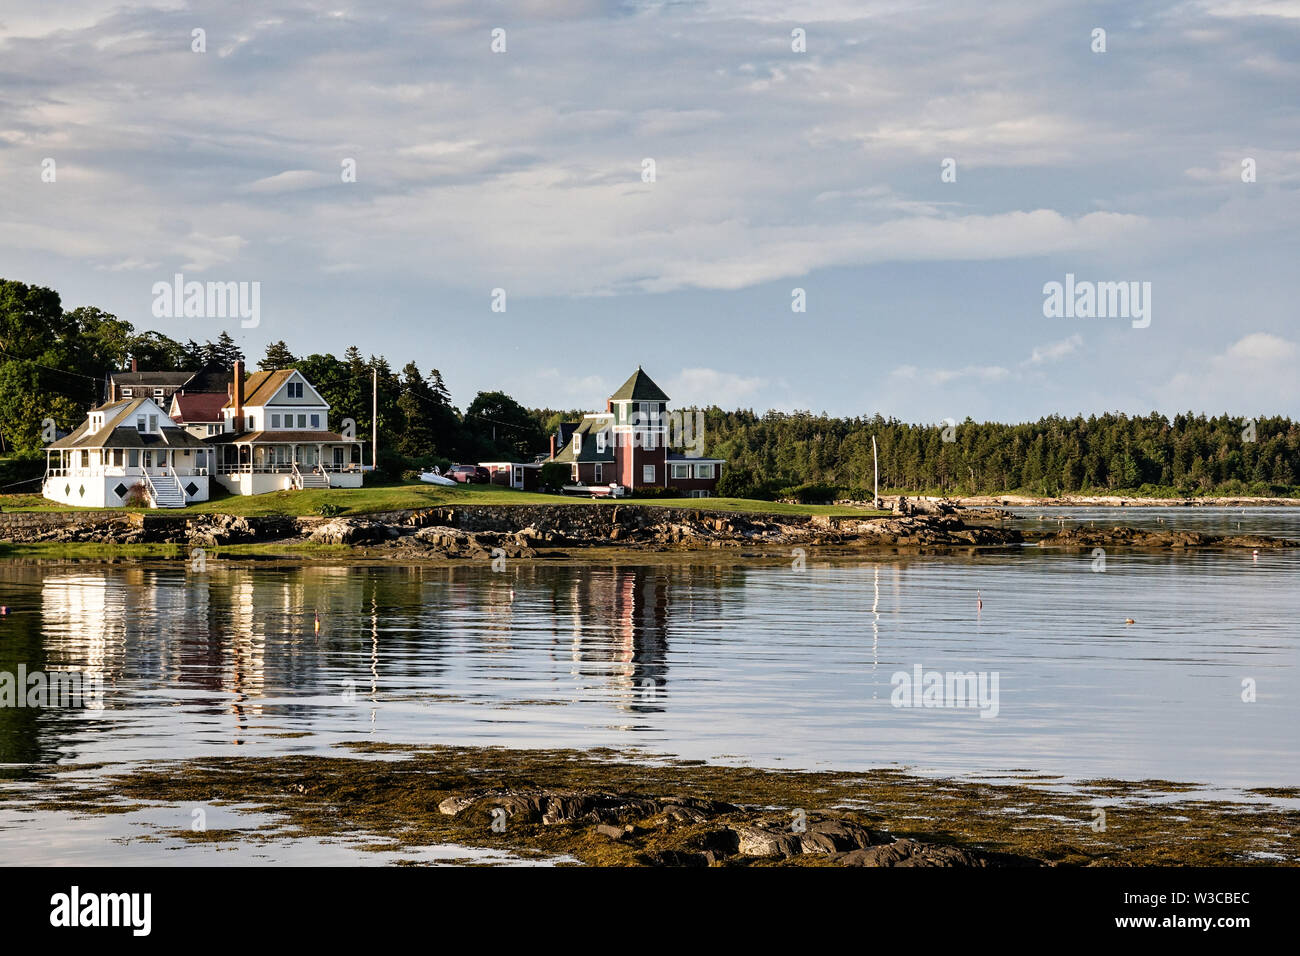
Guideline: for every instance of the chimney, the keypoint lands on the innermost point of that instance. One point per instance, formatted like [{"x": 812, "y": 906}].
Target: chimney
[
  {"x": 133, "y": 365},
  {"x": 552, "y": 444},
  {"x": 237, "y": 385}
]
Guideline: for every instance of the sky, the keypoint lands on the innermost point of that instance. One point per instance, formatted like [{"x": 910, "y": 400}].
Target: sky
[{"x": 782, "y": 161}]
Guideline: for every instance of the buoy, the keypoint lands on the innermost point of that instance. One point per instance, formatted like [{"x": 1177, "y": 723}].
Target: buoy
[
  {"x": 317, "y": 616},
  {"x": 1255, "y": 555},
  {"x": 979, "y": 601},
  {"x": 1129, "y": 620}
]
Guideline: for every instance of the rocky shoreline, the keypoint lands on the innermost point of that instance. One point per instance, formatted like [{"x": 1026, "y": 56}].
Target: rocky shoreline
[
  {"x": 523, "y": 531},
  {"x": 610, "y": 808}
]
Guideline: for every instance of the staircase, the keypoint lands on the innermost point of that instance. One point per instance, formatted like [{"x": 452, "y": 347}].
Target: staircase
[
  {"x": 165, "y": 491},
  {"x": 316, "y": 478}
]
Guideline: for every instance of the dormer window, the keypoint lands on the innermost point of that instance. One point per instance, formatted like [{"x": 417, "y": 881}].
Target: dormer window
[
  {"x": 600, "y": 442},
  {"x": 96, "y": 422},
  {"x": 295, "y": 389},
  {"x": 577, "y": 443},
  {"x": 141, "y": 424}
]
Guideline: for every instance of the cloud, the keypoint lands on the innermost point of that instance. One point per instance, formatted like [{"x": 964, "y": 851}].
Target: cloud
[
  {"x": 290, "y": 180},
  {"x": 1054, "y": 352},
  {"x": 708, "y": 386},
  {"x": 1255, "y": 374}
]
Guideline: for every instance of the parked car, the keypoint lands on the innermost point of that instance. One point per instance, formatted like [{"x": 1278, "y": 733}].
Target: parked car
[{"x": 469, "y": 474}]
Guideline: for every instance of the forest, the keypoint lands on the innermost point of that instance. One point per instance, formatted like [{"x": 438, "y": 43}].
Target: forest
[{"x": 54, "y": 364}]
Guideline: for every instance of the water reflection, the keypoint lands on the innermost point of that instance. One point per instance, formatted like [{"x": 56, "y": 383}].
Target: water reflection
[{"x": 741, "y": 658}]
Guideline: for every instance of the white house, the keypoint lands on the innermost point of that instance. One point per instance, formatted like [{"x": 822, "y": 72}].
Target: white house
[
  {"x": 276, "y": 437},
  {"x": 120, "y": 445}
]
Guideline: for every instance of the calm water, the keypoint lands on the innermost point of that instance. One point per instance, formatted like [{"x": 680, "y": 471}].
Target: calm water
[
  {"x": 1281, "y": 522},
  {"x": 742, "y": 661}
]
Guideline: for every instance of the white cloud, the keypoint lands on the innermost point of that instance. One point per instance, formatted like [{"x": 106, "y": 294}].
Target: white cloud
[
  {"x": 1054, "y": 352},
  {"x": 1256, "y": 374},
  {"x": 708, "y": 386}
]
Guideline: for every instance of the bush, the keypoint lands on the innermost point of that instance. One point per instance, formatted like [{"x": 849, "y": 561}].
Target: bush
[
  {"x": 809, "y": 494},
  {"x": 136, "y": 496},
  {"x": 328, "y": 509},
  {"x": 26, "y": 471},
  {"x": 554, "y": 475},
  {"x": 656, "y": 493}
]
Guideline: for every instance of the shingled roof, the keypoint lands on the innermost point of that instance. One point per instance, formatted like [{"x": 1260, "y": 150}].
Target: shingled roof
[
  {"x": 119, "y": 431},
  {"x": 588, "y": 428},
  {"x": 639, "y": 388}
]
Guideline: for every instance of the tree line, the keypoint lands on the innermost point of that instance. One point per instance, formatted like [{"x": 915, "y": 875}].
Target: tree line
[{"x": 54, "y": 363}]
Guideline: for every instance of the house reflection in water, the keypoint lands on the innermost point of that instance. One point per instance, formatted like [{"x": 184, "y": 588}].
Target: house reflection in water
[{"x": 619, "y": 632}]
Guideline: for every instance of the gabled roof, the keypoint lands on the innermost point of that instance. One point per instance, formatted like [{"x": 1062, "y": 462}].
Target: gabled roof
[
  {"x": 198, "y": 406},
  {"x": 639, "y": 388},
  {"x": 260, "y": 387},
  {"x": 211, "y": 378},
  {"x": 119, "y": 430},
  {"x": 588, "y": 428}
]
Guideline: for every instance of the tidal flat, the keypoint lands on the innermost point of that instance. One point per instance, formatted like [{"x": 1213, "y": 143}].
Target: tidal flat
[{"x": 609, "y": 808}]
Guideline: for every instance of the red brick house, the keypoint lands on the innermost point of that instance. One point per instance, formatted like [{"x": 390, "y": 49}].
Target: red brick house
[{"x": 627, "y": 444}]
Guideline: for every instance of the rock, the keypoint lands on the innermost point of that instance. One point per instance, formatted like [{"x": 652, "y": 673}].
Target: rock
[
  {"x": 613, "y": 832},
  {"x": 764, "y": 842},
  {"x": 912, "y": 853}
]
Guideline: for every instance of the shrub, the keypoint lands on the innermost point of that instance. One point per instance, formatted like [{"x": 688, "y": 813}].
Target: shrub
[
  {"x": 136, "y": 496},
  {"x": 809, "y": 494},
  {"x": 554, "y": 475},
  {"x": 328, "y": 509}
]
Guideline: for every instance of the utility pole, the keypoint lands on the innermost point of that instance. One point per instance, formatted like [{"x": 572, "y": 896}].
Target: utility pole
[{"x": 374, "y": 418}]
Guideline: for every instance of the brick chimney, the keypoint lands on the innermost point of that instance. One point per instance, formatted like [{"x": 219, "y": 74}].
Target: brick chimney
[
  {"x": 133, "y": 365},
  {"x": 237, "y": 385},
  {"x": 552, "y": 444}
]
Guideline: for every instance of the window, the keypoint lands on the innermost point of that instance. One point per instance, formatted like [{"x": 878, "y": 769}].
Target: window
[
  {"x": 622, "y": 411},
  {"x": 248, "y": 422},
  {"x": 295, "y": 389},
  {"x": 648, "y": 474},
  {"x": 153, "y": 423},
  {"x": 117, "y": 457},
  {"x": 600, "y": 473},
  {"x": 577, "y": 442},
  {"x": 651, "y": 442},
  {"x": 133, "y": 458},
  {"x": 302, "y": 421},
  {"x": 140, "y": 424},
  {"x": 212, "y": 429},
  {"x": 148, "y": 459},
  {"x": 703, "y": 471},
  {"x": 126, "y": 393},
  {"x": 85, "y": 459},
  {"x": 573, "y": 474},
  {"x": 157, "y": 393},
  {"x": 275, "y": 421},
  {"x": 680, "y": 471},
  {"x": 600, "y": 442},
  {"x": 315, "y": 421}
]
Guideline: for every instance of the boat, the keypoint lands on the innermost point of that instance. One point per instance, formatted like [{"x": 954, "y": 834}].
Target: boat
[
  {"x": 611, "y": 490},
  {"x": 436, "y": 477}
]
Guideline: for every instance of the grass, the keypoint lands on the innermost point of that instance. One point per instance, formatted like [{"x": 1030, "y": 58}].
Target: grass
[{"x": 417, "y": 494}]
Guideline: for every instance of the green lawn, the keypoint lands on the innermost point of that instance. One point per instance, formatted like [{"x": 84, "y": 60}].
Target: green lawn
[{"x": 417, "y": 494}]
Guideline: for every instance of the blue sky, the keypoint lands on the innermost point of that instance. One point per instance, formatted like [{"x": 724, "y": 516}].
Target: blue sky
[{"x": 775, "y": 170}]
